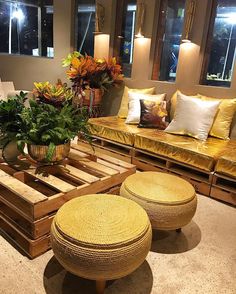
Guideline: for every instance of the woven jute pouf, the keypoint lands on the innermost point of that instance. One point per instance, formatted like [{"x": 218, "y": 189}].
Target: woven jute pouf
[
  {"x": 101, "y": 237},
  {"x": 169, "y": 201}
]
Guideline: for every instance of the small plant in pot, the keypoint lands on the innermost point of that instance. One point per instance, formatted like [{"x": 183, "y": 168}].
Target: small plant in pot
[
  {"x": 10, "y": 125},
  {"x": 50, "y": 123}
]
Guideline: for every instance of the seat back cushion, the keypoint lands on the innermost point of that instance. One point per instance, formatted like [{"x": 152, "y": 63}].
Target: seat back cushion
[
  {"x": 222, "y": 122},
  {"x": 123, "y": 111}
]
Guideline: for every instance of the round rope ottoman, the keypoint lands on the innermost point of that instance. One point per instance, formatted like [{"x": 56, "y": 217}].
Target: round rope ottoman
[
  {"x": 169, "y": 201},
  {"x": 101, "y": 237}
]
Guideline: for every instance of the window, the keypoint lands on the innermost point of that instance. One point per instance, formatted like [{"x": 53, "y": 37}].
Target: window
[
  {"x": 170, "y": 26},
  {"x": 26, "y": 28},
  {"x": 85, "y": 26},
  {"x": 220, "y": 48},
  {"x": 124, "y": 34}
]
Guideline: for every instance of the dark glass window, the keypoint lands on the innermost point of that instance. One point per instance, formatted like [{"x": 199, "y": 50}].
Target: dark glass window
[
  {"x": 169, "y": 34},
  {"x": 124, "y": 34},
  {"x": 221, "y": 44},
  {"x": 26, "y": 27},
  {"x": 85, "y": 26}
]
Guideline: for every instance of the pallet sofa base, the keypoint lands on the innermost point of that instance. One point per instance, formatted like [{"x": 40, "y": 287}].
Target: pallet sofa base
[{"x": 205, "y": 183}]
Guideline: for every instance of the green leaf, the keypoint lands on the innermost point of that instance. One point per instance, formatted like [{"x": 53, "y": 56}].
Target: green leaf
[{"x": 50, "y": 152}]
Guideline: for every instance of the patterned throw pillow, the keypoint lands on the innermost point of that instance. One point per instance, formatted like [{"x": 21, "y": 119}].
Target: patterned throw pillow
[
  {"x": 153, "y": 114},
  {"x": 134, "y": 105}
]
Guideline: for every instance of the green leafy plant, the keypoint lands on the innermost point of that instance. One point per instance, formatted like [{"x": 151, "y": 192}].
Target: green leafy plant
[
  {"x": 55, "y": 95},
  {"x": 44, "y": 124},
  {"x": 10, "y": 119}
]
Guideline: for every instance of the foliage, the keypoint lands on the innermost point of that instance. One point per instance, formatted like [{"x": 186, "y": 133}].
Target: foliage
[
  {"x": 10, "y": 119},
  {"x": 88, "y": 72},
  {"x": 44, "y": 124},
  {"x": 54, "y": 95}
]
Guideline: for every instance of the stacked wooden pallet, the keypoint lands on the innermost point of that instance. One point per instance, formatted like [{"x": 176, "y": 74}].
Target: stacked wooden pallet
[
  {"x": 223, "y": 188},
  {"x": 112, "y": 148},
  {"x": 29, "y": 201}
]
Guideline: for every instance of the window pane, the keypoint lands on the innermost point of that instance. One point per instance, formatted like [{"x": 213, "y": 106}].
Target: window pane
[
  {"x": 124, "y": 35},
  {"x": 85, "y": 26},
  {"x": 170, "y": 26},
  {"x": 26, "y": 28},
  {"x": 220, "y": 50}
]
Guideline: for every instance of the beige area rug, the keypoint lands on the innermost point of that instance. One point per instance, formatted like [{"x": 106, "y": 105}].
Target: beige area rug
[{"x": 201, "y": 259}]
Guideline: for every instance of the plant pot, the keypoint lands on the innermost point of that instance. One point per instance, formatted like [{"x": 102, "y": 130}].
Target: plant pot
[
  {"x": 93, "y": 97},
  {"x": 39, "y": 152}
]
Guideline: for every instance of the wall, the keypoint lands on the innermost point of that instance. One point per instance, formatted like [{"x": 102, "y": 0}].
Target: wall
[
  {"x": 25, "y": 70},
  {"x": 189, "y": 65}
]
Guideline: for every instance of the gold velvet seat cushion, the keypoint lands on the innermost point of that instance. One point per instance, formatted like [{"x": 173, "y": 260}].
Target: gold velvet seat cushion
[
  {"x": 158, "y": 188},
  {"x": 114, "y": 129},
  {"x": 202, "y": 155},
  {"x": 226, "y": 164}
]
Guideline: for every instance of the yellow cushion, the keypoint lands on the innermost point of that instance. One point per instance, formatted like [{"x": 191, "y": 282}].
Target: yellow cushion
[
  {"x": 227, "y": 163},
  {"x": 157, "y": 187},
  {"x": 190, "y": 151},
  {"x": 223, "y": 119},
  {"x": 113, "y": 128},
  {"x": 123, "y": 111},
  {"x": 174, "y": 101}
]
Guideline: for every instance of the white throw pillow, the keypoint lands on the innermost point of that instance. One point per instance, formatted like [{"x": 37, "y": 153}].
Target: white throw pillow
[
  {"x": 193, "y": 117},
  {"x": 134, "y": 105}
]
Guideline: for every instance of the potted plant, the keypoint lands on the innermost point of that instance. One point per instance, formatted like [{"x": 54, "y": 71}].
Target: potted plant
[
  {"x": 10, "y": 124},
  {"x": 47, "y": 125},
  {"x": 90, "y": 77}
]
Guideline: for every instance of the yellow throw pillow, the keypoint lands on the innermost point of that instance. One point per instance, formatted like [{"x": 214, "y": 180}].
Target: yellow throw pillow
[
  {"x": 123, "y": 111},
  {"x": 173, "y": 102},
  {"x": 223, "y": 119}
]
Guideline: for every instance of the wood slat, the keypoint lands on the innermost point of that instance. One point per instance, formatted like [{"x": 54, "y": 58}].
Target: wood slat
[
  {"x": 111, "y": 165},
  {"x": 52, "y": 181},
  {"x": 22, "y": 190},
  {"x": 103, "y": 156},
  {"x": 81, "y": 174},
  {"x": 76, "y": 154},
  {"x": 100, "y": 168}
]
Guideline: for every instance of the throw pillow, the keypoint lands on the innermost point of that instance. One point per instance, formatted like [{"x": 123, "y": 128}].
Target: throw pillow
[
  {"x": 133, "y": 116},
  {"x": 193, "y": 117},
  {"x": 222, "y": 122},
  {"x": 153, "y": 114},
  {"x": 123, "y": 111},
  {"x": 174, "y": 101}
]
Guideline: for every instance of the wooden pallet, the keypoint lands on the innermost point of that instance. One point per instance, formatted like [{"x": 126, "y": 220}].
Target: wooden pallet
[
  {"x": 29, "y": 201},
  {"x": 224, "y": 188},
  {"x": 200, "y": 179},
  {"x": 114, "y": 149}
]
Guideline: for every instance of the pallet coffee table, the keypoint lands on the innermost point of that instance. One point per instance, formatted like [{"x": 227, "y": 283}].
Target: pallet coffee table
[{"x": 29, "y": 201}]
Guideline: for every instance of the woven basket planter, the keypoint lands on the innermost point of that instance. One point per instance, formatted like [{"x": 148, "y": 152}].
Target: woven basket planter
[
  {"x": 169, "y": 201},
  {"x": 101, "y": 237}
]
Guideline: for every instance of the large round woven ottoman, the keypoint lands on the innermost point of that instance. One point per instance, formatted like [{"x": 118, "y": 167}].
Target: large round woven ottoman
[
  {"x": 101, "y": 237},
  {"x": 169, "y": 201}
]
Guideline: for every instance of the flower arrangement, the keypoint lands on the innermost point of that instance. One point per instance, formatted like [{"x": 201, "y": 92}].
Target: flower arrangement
[{"x": 89, "y": 72}]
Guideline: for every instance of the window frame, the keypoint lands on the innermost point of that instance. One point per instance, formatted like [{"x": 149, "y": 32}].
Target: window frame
[
  {"x": 39, "y": 38},
  {"x": 207, "y": 50},
  {"x": 158, "y": 34}
]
